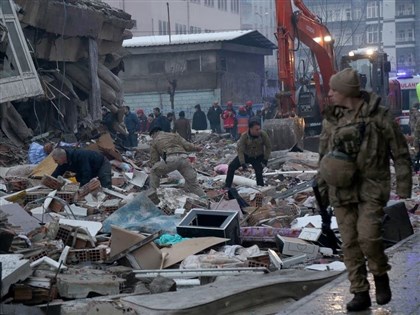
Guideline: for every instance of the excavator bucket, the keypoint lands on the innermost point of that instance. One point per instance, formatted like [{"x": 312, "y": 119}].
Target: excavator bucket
[{"x": 285, "y": 133}]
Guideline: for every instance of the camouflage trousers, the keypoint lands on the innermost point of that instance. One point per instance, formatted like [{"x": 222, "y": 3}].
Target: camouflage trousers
[
  {"x": 180, "y": 163},
  {"x": 360, "y": 227}
]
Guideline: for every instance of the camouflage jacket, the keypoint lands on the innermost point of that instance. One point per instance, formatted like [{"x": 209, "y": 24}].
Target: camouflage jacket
[
  {"x": 380, "y": 140},
  {"x": 169, "y": 143},
  {"x": 254, "y": 146},
  {"x": 416, "y": 132}
]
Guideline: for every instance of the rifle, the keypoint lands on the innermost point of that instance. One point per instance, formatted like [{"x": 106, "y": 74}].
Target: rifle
[{"x": 331, "y": 239}]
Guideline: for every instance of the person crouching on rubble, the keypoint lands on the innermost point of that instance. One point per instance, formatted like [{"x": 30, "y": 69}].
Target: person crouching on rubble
[
  {"x": 86, "y": 164},
  {"x": 168, "y": 153},
  {"x": 253, "y": 147},
  {"x": 357, "y": 141}
]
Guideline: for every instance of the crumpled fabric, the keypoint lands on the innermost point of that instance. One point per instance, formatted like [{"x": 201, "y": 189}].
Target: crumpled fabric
[{"x": 170, "y": 239}]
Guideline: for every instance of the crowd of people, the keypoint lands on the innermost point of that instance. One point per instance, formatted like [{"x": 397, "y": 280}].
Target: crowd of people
[{"x": 138, "y": 122}]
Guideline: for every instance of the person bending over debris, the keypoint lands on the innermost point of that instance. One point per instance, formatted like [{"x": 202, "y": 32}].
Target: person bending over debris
[
  {"x": 358, "y": 139},
  {"x": 85, "y": 163},
  {"x": 253, "y": 147},
  {"x": 172, "y": 148}
]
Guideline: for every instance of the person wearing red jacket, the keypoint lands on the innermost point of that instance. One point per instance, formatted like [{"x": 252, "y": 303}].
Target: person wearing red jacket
[{"x": 229, "y": 119}]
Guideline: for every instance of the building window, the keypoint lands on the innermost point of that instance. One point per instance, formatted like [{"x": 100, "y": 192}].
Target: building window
[
  {"x": 163, "y": 27},
  {"x": 405, "y": 9},
  {"x": 372, "y": 9},
  {"x": 18, "y": 77},
  {"x": 193, "y": 65},
  {"x": 195, "y": 1},
  {"x": 209, "y": 3},
  {"x": 372, "y": 34},
  {"x": 348, "y": 14},
  {"x": 234, "y": 6},
  {"x": 195, "y": 30},
  {"x": 222, "y": 5},
  {"x": 157, "y": 66},
  {"x": 357, "y": 14}
]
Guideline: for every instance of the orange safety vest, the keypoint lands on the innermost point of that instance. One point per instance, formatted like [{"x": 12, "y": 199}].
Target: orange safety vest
[{"x": 242, "y": 124}]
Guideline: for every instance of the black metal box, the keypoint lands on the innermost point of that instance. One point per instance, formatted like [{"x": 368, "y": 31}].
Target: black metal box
[{"x": 202, "y": 222}]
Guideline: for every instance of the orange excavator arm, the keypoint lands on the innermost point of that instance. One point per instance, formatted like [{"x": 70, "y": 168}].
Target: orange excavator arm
[{"x": 302, "y": 25}]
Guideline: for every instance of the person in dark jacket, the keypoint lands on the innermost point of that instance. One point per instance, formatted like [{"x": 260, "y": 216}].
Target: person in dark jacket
[
  {"x": 160, "y": 121},
  {"x": 132, "y": 124},
  {"x": 85, "y": 163},
  {"x": 213, "y": 115},
  {"x": 254, "y": 147},
  {"x": 199, "y": 121},
  {"x": 182, "y": 126}
]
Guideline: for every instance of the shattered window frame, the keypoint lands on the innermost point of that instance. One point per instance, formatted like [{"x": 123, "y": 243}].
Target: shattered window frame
[{"x": 23, "y": 80}]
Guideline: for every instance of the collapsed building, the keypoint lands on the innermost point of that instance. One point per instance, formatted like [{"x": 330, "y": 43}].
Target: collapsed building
[{"x": 59, "y": 64}]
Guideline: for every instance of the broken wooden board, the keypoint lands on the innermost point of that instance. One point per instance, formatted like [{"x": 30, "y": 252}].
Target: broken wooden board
[
  {"x": 148, "y": 257},
  {"x": 178, "y": 252},
  {"x": 46, "y": 167}
]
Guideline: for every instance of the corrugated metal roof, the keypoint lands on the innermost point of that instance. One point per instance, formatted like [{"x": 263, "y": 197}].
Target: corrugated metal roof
[{"x": 244, "y": 37}]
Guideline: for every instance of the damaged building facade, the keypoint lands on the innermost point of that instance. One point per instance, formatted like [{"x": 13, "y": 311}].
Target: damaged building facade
[
  {"x": 195, "y": 69},
  {"x": 76, "y": 56}
]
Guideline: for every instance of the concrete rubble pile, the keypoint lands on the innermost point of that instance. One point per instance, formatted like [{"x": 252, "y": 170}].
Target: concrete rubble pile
[
  {"x": 62, "y": 242},
  {"x": 77, "y": 52}
]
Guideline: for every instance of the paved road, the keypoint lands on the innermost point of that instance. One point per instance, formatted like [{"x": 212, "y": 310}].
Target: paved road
[{"x": 405, "y": 284}]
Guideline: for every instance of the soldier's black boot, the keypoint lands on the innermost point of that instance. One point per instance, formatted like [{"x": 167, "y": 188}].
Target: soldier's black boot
[
  {"x": 383, "y": 291},
  {"x": 360, "y": 302}
]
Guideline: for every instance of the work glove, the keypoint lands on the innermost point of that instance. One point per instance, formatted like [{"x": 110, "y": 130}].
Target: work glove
[
  {"x": 264, "y": 162},
  {"x": 244, "y": 167}
]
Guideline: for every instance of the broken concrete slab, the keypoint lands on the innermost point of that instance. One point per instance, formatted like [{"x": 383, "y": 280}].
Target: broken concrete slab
[
  {"x": 232, "y": 294},
  {"x": 14, "y": 269},
  {"x": 91, "y": 226},
  {"x": 78, "y": 284},
  {"x": 18, "y": 217},
  {"x": 295, "y": 246}
]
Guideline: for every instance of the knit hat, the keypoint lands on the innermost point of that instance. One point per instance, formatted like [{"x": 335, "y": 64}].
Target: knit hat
[{"x": 346, "y": 82}]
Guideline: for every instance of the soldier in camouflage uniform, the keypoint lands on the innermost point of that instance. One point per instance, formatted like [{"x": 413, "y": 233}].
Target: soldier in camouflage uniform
[
  {"x": 172, "y": 148},
  {"x": 357, "y": 141},
  {"x": 414, "y": 117}
]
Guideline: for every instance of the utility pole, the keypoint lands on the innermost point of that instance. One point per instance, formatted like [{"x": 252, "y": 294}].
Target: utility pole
[{"x": 169, "y": 22}]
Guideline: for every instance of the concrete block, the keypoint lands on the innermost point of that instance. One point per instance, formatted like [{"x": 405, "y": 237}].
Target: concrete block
[
  {"x": 14, "y": 269},
  {"x": 76, "y": 285},
  {"x": 294, "y": 246}
]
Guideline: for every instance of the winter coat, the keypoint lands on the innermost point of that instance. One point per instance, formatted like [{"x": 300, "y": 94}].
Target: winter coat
[
  {"x": 213, "y": 115},
  {"x": 229, "y": 118},
  {"x": 199, "y": 121},
  {"x": 380, "y": 139},
  {"x": 183, "y": 128},
  {"x": 85, "y": 163},
  {"x": 254, "y": 146},
  {"x": 161, "y": 122},
  {"x": 132, "y": 122}
]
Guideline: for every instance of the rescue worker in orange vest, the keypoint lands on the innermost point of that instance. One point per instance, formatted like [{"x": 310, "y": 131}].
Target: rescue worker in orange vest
[{"x": 243, "y": 119}]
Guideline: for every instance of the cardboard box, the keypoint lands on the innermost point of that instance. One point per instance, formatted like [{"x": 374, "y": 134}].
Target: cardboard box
[{"x": 294, "y": 246}]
